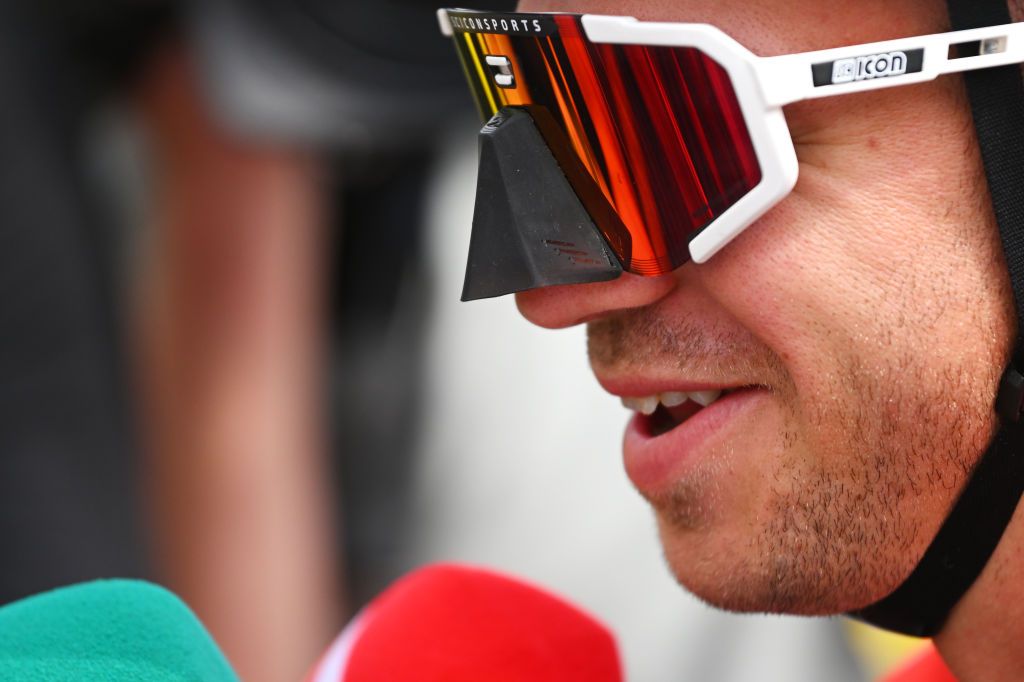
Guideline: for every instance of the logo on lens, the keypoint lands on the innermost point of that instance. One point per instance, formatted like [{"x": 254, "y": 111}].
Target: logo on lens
[
  {"x": 501, "y": 70},
  {"x": 871, "y": 66}
]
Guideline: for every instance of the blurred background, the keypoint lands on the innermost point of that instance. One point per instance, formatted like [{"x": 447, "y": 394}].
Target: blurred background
[{"x": 233, "y": 360}]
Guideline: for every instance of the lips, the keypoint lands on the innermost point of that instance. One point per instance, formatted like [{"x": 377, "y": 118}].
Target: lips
[{"x": 666, "y": 437}]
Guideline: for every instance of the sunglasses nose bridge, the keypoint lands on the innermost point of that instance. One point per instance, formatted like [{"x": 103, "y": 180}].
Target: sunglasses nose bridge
[{"x": 530, "y": 228}]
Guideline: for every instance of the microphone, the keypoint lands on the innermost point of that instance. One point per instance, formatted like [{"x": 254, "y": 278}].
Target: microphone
[
  {"x": 111, "y": 630},
  {"x": 449, "y": 623}
]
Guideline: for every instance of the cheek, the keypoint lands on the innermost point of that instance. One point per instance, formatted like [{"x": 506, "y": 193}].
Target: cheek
[
  {"x": 883, "y": 247},
  {"x": 875, "y": 283}
]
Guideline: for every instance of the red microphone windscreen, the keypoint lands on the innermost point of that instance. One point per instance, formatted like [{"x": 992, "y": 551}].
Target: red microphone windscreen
[{"x": 449, "y": 623}]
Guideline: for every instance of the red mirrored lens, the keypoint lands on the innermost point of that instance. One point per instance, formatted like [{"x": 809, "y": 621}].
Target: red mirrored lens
[{"x": 658, "y": 130}]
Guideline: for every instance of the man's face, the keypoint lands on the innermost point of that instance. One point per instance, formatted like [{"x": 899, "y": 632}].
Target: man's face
[{"x": 862, "y": 325}]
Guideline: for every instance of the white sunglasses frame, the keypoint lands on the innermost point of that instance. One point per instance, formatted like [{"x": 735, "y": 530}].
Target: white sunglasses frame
[{"x": 763, "y": 85}]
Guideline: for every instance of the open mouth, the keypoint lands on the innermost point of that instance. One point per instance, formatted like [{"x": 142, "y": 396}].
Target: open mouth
[{"x": 665, "y": 411}]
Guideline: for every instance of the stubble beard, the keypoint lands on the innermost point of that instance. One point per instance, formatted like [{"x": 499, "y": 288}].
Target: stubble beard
[{"x": 842, "y": 525}]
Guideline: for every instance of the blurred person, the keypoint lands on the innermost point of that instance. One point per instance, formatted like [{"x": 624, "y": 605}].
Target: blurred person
[
  {"x": 71, "y": 507},
  {"x": 280, "y": 134},
  {"x": 827, "y": 394},
  {"x": 231, "y": 361},
  {"x": 248, "y": 109}
]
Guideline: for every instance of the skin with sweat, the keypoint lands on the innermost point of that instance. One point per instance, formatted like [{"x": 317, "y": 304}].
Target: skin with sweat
[{"x": 871, "y": 307}]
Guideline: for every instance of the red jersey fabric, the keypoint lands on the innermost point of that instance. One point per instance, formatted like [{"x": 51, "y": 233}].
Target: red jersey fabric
[{"x": 925, "y": 667}]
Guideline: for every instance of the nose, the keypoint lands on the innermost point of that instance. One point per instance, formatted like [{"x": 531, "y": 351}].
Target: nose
[{"x": 571, "y": 304}]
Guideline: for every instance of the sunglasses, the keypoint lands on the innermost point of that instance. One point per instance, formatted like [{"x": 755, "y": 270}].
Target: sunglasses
[{"x": 671, "y": 136}]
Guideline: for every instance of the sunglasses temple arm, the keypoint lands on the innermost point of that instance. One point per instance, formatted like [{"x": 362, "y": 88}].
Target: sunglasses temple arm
[{"x": 810, "y": 75}]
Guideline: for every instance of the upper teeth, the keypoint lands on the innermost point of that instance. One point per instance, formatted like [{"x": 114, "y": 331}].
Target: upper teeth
[{"x": 648, "y": 404}]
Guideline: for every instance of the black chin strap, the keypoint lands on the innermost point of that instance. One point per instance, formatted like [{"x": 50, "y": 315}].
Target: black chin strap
[{"x": 974, "y": 527}]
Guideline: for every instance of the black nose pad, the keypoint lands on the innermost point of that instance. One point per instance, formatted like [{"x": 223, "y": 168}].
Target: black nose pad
[{"x": 530, "y": 229}]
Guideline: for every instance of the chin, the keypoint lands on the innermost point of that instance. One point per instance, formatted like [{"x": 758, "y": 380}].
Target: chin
[{"x": 730, "y": 572}]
